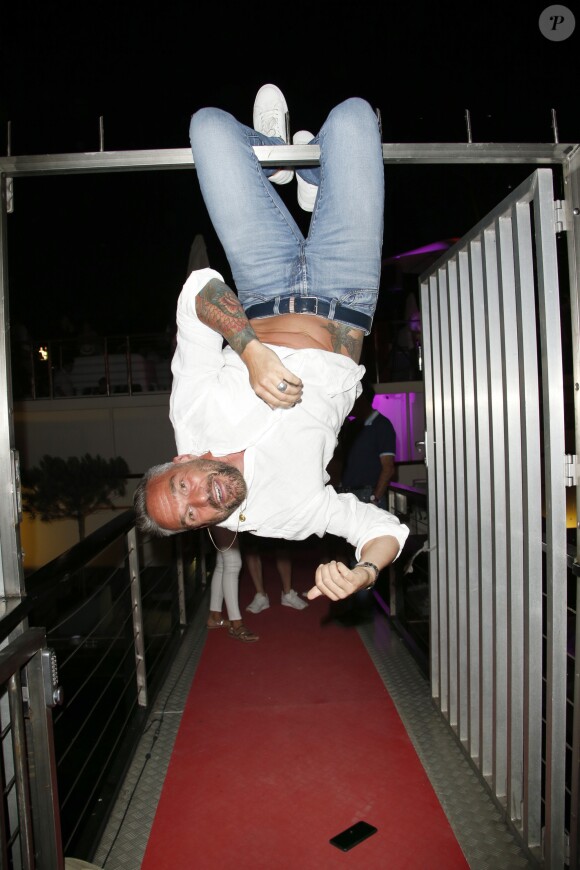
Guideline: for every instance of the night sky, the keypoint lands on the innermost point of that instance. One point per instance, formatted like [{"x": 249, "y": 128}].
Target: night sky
[{"x": 113, "y": 249}]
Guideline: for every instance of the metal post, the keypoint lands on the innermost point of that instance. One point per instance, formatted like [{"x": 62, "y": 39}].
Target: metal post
[
  {"x": 180, "y": 579},
  {"x": 138, "y": 633},
  {"x": 21, "y": 772}
]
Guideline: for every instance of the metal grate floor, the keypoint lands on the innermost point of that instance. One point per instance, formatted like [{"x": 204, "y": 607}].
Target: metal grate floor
[{"x": 486, "y": 841}]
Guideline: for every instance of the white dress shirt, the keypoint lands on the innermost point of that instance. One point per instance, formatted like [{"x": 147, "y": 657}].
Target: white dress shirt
[{"x": 214, "y": 408}]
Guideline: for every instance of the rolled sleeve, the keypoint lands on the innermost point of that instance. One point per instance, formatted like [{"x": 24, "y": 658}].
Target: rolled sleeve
[
  {"x": 197, "y": 363},
  {"x": 199, "y": 348},
  {"x": 360, "y": 523}
]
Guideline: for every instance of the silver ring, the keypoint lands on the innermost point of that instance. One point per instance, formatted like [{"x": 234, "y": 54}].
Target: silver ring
[{"x": 282, "y": 386}]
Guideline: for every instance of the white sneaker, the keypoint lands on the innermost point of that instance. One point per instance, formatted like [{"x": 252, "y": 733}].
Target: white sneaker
[
  {"x": 260, "y": 602},
  {"x": 306, "y": 192},
  {"x": 291, "y": 599},
  {"x": 271, "y": 118}
]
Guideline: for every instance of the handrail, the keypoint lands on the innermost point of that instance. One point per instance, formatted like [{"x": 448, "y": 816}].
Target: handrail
[
  {"x": 285, "y": 155},
  {"x": 42, "y": 583},
  {"x": 105, "y": 625}
]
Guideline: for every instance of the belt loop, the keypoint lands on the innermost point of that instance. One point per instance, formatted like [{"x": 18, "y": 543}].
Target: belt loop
[
  {"x": 332, "y": 309},
  {"x": 276, "y": 305},
  {"x": 291, "y": 304}
]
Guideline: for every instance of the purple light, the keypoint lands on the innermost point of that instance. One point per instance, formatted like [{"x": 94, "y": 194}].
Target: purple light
[
  {"x": 406, "y": 413},
  {"x": 426, "y": 249},
  {"x": 423, "y": 255}
]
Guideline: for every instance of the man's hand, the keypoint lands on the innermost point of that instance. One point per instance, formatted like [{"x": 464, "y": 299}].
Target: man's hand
[
  {"x": 219, "y": 308},
  {"x": 267, "y": 373},
  {"x": 336, "y": 581}
]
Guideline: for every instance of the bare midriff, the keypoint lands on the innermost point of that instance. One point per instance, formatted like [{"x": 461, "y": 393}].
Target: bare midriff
[{"x": 303, "y": 330}]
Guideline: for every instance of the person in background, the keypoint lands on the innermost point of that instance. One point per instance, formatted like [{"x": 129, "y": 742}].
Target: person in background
[
  {"x": 224, "y": 587},
  {"x": 369, "y": 443},
  {"x": 252, "y": 556}
]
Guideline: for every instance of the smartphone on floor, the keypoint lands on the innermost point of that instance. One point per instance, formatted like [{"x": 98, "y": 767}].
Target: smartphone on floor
[{"x": 353, "y": 836}]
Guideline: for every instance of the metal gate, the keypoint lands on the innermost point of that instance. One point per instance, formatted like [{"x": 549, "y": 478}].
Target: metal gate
[
  {"x": 502, "y": 625},
  {"x": 495, "y": 452}
]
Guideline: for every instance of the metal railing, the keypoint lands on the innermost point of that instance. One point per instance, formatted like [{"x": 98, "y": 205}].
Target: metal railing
[
  {"x": 109, "y": 616},
  {"x": 567, "y": 158},
  {"x": 136, "y": 364},
  {"x": 91, "y": 366},
  {"x": 495, "y": 453},
  {"x": 403, "y": 589}
]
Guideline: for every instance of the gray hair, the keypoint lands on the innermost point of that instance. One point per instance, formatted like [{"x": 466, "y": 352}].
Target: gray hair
[{"x": 143, "y": 521}]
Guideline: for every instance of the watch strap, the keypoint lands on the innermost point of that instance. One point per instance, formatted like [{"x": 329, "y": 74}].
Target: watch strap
[{"x": 374, "y": 568}]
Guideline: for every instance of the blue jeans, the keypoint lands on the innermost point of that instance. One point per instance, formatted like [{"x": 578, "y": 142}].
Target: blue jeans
[{"x": 340, "y": 260}]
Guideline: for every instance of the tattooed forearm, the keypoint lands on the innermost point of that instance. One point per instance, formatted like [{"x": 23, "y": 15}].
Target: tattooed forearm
[
  {"x": 219, "y": 308},
  {"x": 345, "y": 339}
]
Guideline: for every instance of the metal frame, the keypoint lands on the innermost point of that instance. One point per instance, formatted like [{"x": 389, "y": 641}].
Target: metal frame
[
  {"x": 488, "y": 405},
  {"x": 37, "y": 821},
  {"x": 11, "y": 167},
  {"x": 285, "y": 155},
  {"x": 459, "y": 681}
]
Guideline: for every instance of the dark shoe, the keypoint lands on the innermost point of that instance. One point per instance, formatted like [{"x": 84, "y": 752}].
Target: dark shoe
[
  {"x": 221, "y": 623},
  {"x": 242, "y": 633}
]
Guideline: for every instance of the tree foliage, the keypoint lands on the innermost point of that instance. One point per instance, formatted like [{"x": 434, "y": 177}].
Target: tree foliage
[{"x": 73, "y": 488}]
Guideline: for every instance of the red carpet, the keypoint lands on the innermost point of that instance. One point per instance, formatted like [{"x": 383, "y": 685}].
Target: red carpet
[{"x": 286, "y": 742}]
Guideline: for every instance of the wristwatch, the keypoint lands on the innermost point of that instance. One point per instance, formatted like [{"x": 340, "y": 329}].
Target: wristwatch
[{"x": 374, "y": 568}]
